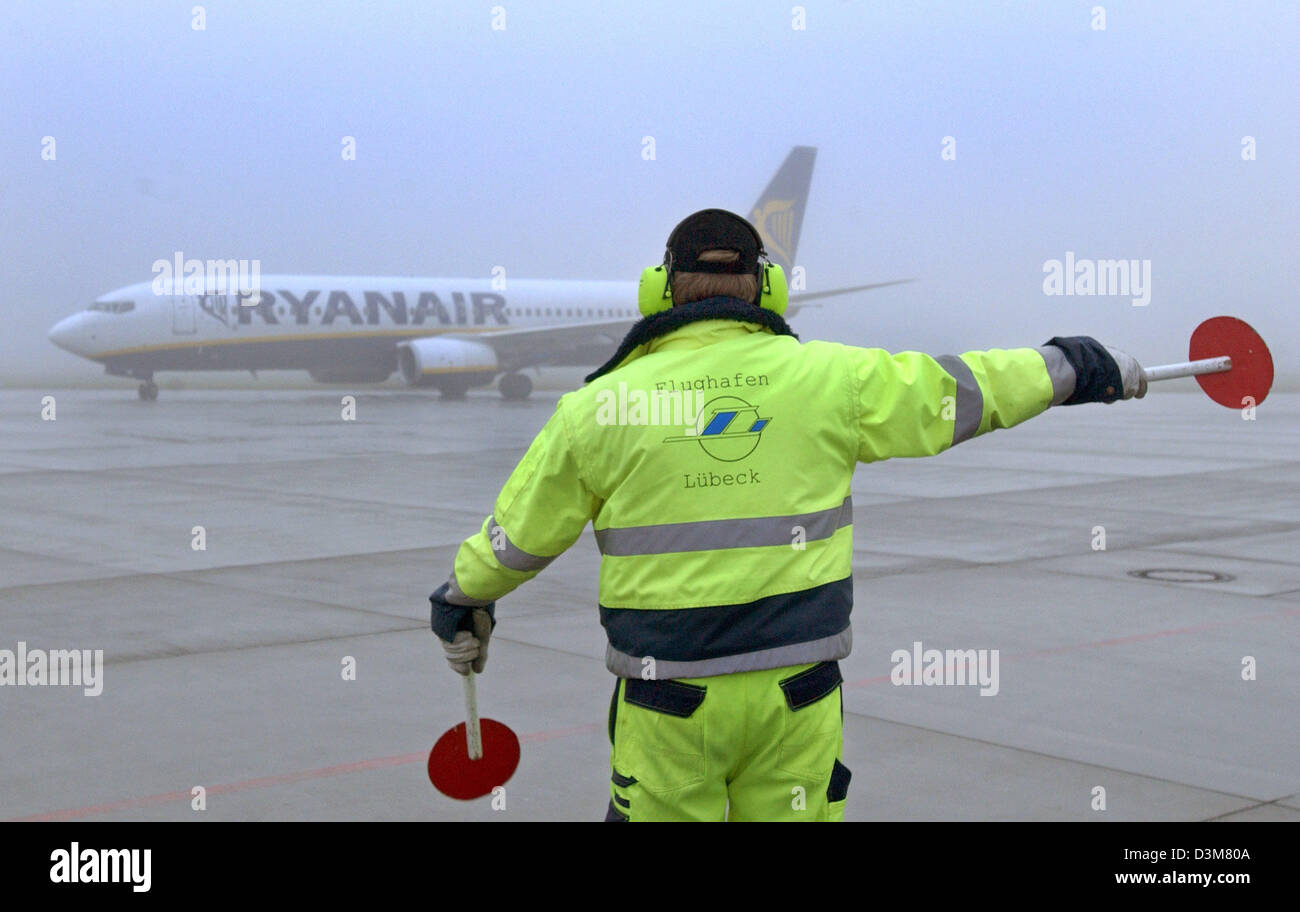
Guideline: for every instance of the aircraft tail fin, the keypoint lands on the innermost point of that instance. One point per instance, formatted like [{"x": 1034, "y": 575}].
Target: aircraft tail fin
[{"x": 778, "y": 214}]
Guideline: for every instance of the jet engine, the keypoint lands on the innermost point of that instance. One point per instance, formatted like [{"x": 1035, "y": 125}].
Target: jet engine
[{"x": 450, "y": 364}]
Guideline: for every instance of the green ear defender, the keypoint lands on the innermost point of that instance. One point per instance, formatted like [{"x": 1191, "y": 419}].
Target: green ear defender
[
  {"x": 775, "y": 293},
  {"x": 654, "y": 295},
  {"x": 695, "y": 235}
]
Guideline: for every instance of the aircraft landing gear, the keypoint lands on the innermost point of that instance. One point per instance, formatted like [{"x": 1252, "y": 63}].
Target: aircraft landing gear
[
  {"x": 453, "y": 387},
  {"x": 148, "y": 391},
  {"x": 515, "y": 386}
]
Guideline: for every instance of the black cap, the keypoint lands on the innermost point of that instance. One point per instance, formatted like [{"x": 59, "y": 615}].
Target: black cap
[{"x": 714, "y": 229}]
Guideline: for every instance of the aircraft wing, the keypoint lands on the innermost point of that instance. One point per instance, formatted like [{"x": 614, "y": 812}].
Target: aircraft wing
[
  {"x": 573, "y": 344},
  {"x": 804, "y": 297},
  {"x": 592, "y": 342}
]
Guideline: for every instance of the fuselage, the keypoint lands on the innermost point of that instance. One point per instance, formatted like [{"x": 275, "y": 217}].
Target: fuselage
[{"x": 329, "y": 325}]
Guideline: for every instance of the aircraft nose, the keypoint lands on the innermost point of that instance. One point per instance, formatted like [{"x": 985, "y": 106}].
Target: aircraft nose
[{"x": 65, "y": 334}]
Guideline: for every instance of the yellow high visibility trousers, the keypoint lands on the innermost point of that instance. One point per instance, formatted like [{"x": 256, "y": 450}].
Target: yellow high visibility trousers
[{"x": 755, "y": 745}]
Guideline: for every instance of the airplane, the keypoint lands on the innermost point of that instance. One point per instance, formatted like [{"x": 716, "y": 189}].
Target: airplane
[{"x": 452, "y": 334}]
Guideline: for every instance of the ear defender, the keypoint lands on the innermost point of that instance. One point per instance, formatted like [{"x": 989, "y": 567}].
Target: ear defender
[
  {"x": 653, "y": 294},
  {"x": 713, "y": 229},
  {"x": 774, "y": 294}
]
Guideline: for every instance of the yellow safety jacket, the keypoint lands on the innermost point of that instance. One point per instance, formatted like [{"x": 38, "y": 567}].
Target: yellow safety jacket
[{"x": 715, "y": 465}]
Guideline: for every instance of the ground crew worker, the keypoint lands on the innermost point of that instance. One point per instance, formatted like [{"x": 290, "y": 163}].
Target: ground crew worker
[{"x": 727, "y": 540}]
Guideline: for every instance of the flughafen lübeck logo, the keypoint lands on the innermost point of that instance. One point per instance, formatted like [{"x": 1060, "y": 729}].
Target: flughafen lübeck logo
[{"x": 728, "y": 428}]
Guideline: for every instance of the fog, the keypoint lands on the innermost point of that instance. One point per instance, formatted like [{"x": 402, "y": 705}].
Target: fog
[{"x": 526, "y": 147}]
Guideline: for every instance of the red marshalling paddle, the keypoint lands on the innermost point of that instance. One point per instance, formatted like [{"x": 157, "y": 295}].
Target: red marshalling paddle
[
  {"x": 475, "y": 756},
  {"x": 1228, "y": 359}
]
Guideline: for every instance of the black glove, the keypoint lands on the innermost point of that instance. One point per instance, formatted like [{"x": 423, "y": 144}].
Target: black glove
[
  {"x": 1097, "y": 375},
  {"x": 463, "y": 629},
  {"x": 446, "y": 618}
]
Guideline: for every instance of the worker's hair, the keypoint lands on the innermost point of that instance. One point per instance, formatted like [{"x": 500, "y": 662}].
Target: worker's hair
[{"x": 695, "y": 286}]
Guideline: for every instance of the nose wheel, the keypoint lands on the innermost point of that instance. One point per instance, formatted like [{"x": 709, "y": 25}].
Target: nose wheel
[{"x": 148, "y": 391}]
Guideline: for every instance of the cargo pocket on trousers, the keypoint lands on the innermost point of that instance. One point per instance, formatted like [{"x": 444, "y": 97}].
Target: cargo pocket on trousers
[
  {"x": 619, "y": 810},
  {"x": 659, "y": 735},
  {"x": 620, "y": 797},
  {"x": 837, "y": 793},
  {"x": 812, "y": 736}
]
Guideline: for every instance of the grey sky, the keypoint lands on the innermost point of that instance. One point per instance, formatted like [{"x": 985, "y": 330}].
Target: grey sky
[{"x": 523, "y": 147}]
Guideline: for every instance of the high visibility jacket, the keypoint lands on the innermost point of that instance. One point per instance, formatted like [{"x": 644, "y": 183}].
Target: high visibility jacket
[{"x": 715, "y": 465}]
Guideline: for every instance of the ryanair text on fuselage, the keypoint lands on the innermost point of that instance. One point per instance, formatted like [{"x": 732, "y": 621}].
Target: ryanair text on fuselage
[{"x": 324, "y": 308}]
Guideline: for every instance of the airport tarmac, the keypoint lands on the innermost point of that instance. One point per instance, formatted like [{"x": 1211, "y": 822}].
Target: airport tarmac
[{"x": 223, "y": 667}]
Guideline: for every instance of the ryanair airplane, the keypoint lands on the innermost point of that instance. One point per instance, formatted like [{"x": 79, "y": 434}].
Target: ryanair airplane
[{"x": 452, "y": 334}]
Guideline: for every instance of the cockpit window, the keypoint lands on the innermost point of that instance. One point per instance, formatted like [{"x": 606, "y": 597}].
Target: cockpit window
[{"x": 115, "y": 307}]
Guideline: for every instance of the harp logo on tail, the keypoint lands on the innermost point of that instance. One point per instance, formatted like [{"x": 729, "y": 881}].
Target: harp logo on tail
[{"x": 775, "y": 224}]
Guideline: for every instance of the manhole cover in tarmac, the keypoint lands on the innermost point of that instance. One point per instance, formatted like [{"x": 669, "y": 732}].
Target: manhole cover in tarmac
[{"x": 1183, "y": 576}]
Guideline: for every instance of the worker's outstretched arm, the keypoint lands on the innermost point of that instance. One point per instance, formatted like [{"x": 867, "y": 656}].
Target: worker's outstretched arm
[
  {"x": 540, "y": 512},
  {"x": 914, "y": 404}
]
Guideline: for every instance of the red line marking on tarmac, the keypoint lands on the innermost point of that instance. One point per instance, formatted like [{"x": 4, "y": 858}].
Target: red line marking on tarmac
[
  {"x": 554, "y": 733},
  {"x": 339, "y": 769}
]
